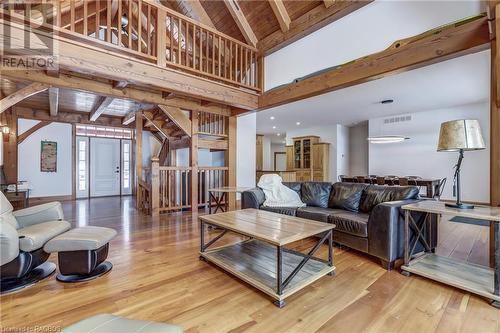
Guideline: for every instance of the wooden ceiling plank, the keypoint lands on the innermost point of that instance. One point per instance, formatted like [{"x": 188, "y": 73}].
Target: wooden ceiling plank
[
  {"x": 54, "y": 101},
  {"x": 100, "y": 106},
  {"x": 444, "y": 43},
  {"x": 178, "y": 117},
  {"x": 102, "y": 88},
  {"x": 22, "y": 94},
  {"x": 309, "y": 22},
  {"x": 281, "y": 14},
  {"x": 241, "y": 21},
  {"x": 328, "y": 3}
]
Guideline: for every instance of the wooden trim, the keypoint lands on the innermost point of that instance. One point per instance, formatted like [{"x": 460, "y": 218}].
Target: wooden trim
[
  {"x": 309, "y": 22},
  {"x": 179, "y": 118},
  {"x": 495, "y": 115},
  {"x": 241, "y": 22},
  {"x": 431, "y": 47},
  {"x": 281, "y": 14},
  {"x": 213, "y": 144},
  {"x": 68, "y": 81},
  {"x": 83, "y": 58},
  {"x": 54, "y": 101},
  {"x": 22, "y": 94},
  {"x": 42, "y": 200},
  {"x": 32, "y": 130}
]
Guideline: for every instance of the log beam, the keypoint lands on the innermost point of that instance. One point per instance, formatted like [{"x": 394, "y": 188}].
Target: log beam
[
  {"x": 241, "y": 22},
  {"x": 99, "y": 107},
  {"x": 25, "y": 135},
  {"x": 129, "y": 118},
  {"x": 431, "y": 47},
  {"x": 178, "y": 117},
  {"x": 281, "y": 14},
  {"x": 22, "y": 94}
]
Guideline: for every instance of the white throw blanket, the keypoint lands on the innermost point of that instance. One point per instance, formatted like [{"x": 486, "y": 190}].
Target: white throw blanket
[{"x": 277, "y": 194}]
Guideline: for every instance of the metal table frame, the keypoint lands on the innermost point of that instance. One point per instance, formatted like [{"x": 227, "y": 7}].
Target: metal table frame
[{"x": 281, "y": 282}]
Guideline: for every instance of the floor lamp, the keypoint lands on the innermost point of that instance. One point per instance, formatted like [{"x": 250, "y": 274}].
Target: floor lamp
[{"x": 459, "y": 136}]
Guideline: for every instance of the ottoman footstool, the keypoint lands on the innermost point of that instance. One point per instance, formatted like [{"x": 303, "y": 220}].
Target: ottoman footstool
[{"x": 81, "y": 253}]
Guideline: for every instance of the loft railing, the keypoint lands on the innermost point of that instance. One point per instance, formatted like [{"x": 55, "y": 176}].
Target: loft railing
[
  {"x": 212, "y": 124},
  {"x": 133, "y": 27}
]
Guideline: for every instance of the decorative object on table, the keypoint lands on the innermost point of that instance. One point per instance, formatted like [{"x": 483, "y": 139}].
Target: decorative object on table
[
  {"x": 459, "y": 136},
  {"x": 48, "y": 156}
]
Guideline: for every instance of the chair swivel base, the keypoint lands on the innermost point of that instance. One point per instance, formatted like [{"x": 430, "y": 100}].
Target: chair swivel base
[
  {"x": 37, "y": 274},
  {"x": 100, "y": 270}
]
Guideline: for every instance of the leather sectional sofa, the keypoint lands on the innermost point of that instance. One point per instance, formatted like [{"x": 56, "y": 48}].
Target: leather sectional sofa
[{"x": 368, "y": 218}]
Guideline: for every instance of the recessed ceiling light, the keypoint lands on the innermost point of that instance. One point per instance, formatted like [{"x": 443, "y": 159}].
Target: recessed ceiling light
[
  {"x": 387, "y": 101},
  {"x": 297, "y": 123},
  {"x": 283, "y": 141},
  {"x": 274, "y": 127},
  {"x": 278, "y": 134},
  {"x": 272, "y": 117}
]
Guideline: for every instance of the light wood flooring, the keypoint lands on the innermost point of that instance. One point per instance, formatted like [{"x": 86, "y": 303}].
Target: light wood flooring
[{"x": 157, "y": 276}]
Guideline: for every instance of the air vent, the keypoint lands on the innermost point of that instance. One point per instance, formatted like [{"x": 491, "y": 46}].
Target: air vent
[{"x": 398, "y": 119}]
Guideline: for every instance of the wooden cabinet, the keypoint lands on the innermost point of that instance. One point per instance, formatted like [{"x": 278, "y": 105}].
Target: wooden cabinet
[
  {"x": 259, "y": 152},
  {"x": 309, "y": 158}
]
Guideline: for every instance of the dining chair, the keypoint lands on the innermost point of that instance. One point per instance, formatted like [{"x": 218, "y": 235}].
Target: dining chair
[
  {"x": 380, "y": 180},
  {"x": 361, "y": 179},
  {"x": 404, "y": 181},
  {"x": 341, "y": 178},
  {"x": 392, "y": 179},
  {"x": 440, "y": 190}
]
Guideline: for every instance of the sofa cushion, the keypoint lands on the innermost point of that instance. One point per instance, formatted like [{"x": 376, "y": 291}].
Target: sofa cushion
[
  {"x": 296, "y": 186},
  {"x": 317, "y": 213},
  {"x": 346, "y": 196},
  {"x": 352, "y": 223},
  {"x": 316, "y": 194},
  {"x": 376, "y": 194},
  {"x": 281, "y": 210},
  {"x": 36, "y": 235}
]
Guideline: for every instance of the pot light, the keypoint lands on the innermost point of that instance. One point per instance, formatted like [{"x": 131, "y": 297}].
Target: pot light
[
  {"x": 272, "y": 117},
  {"x": 387, "y": 139},
  {"x": 278, "y": 134},
  {"x": 297, "y": 123},
  {"x": 274, "y": 127}
]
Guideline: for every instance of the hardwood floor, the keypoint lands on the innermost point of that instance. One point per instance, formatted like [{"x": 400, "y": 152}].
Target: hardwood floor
[{"x": 157, "y": 276}]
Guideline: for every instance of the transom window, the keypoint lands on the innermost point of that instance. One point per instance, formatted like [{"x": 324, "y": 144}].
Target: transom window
[{"x": 103, "y": 131}]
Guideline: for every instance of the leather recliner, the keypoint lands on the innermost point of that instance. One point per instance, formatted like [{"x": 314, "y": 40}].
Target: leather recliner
[{"x": 23, "y": 233}]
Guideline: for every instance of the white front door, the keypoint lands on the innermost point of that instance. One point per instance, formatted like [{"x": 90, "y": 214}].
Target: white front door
[{"x": 104, "y": 167}]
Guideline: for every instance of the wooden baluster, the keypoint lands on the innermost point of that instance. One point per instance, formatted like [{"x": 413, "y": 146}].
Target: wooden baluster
[
  {"x": 108, "y": 21},
  {"x": 85, "y": 18},
  {"x": 149, "y": 31},
  {"x": 218, "y": 56},
  {"x": 213, "y": 54},
  {"x": 72, "y": 14},
  {"x": 179, "y": 60},
  {"x": 201, "y": 49},
  {"x": 231, "y": 60},
  {"x": 130, "y": 17},
  {"x": 252, "y": 69},
  {"x": 58, "y": 14},
  {"x": 242, "y": 80},
  {"x": 161, "y": 46},
  {"x": 187, "y": 43},
  {"x": 246, "y": 66},
  {"x": 194, "y": 47},
  {"x": 119, "y": 23},
  {"x": 97, "y": 18},
  {"x": 207, "y": 52},
  {"x": 139, "y": 25},
  {"x": 171, "y": 38}
]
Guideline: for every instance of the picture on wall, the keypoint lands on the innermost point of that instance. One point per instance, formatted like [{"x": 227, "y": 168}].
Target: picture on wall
[{"x": 48, "y": 156}]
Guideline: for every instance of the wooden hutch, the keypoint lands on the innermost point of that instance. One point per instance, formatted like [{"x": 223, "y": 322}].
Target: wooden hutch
[{"x": 309, "y": 158}]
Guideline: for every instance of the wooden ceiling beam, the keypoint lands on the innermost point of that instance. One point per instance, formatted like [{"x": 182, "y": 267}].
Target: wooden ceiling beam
[
  {"x": 196, "y": 11},
  {"x": 431, "y": 47},
  {"x": 241, "y": 22},
  {"x": 178, "y": 117},
  {"x": 157, "y": 124},
  {"x": 99, "y": 107},
  {"x": 68, "y": 117},
  {"x": 281, "y": 14},
  {"x": 84, "y": 59},
  {"x": 328, "y": 3},
  {"x": 54, "y": 101},
  {"x": 309, "y": 22},
  {"x": 22, "y": 94},
  {"x": 102, "y": 88},
  {"x": 32, "y": 130},
  {"x": 129, "y": 118}
]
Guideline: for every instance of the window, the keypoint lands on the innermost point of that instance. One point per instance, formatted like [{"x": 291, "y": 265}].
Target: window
[
  {"x": 82, "y": 165},
  {"x": 126, "y": 165},
  {"x": 104, "y": 131}
]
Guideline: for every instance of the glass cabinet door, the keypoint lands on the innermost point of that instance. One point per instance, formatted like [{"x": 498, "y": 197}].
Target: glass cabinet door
[
  {"x": 306, "y": 153},
  {"x": 297, "y": 154}
]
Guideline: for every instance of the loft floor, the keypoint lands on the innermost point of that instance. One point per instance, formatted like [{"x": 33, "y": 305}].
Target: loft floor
[{"x": 157, "y": 276}]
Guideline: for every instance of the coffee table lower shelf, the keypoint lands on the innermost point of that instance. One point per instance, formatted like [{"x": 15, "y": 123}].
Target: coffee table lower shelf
[
  {"x": 470, "y": 277},
  {"x": 255, "y": 262}
]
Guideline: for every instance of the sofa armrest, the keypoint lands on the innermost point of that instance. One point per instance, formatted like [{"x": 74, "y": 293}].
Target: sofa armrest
[
  {"x": 9, "y": 243},
  {"x": 386, "y": 230},
  {"x": 51, "y": 211},
  {"x": 252, "y": 198}
]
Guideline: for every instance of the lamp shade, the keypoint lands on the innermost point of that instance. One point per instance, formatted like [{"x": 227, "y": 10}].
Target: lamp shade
[{"x": 463, "y": 134}]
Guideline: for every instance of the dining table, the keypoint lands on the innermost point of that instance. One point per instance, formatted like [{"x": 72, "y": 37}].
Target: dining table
[{"x": 431, "y": 185}]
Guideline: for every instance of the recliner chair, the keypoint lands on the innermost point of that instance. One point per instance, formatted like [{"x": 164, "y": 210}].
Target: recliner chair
[{"x": 23, "y": 234}]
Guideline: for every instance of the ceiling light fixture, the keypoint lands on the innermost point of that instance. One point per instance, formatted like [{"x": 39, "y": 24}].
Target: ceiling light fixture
[
  {"x": 278, "y": 134},
  {"x": 274, "y": 127},
  {"x": 297, "y": 123},
  {"x": 387, "y": 139},
  {"x": 272, "y": 117}
]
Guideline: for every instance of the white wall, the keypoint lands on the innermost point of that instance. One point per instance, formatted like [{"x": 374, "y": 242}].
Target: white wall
[
  {"x": 45, "y": 184},
  {"x": 276, "y": 148},
  {"x": 418, "y": 155},
  {"x": 246, "y": 150},
  {"x": 327, "y": 134},
  {"x": 205, "y": 158},
  {"x": 358, "y": 149},
  {"x": 375, "y": 27},
  {"x": 267, "y": 161},
  {"x": 342, "y": 150}
]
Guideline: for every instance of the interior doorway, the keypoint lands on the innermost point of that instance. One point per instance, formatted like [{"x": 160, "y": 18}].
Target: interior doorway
[{"x": 279, "y": 161}]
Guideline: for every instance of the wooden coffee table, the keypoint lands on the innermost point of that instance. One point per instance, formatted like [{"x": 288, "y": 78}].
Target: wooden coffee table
[{"x": 262, "y": 260}]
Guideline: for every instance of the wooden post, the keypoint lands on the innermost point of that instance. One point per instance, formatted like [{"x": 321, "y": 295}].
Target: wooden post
[
  {"x": 231, "y": 160},
  {"x": 260, "y": 72},
  {"x": 155, "y": 186},
  {"x": 194, "y": 161},
  {"x": 10, "y": 147},
  {"x": 138, "y": 155},
  {"x": 161, "y": 45}
]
